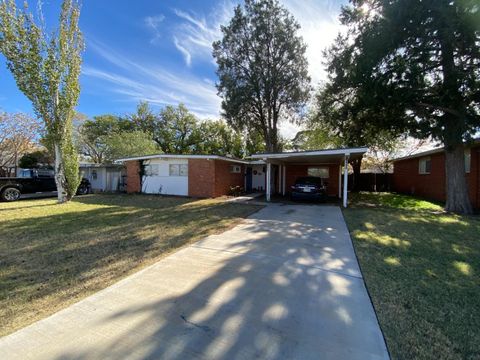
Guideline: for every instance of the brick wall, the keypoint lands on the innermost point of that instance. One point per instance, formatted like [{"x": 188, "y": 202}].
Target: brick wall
[
  {"x": 224, "y": 179},
  {"x": 201, "y": 177},
  {"x": 407, "y": 180},
  {"x": 133, "y": 176},
  {"x": 295, "y": 171}
]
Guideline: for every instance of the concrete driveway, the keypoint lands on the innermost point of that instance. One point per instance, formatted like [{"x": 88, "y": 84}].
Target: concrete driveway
[{"x": 285, "y": 284}]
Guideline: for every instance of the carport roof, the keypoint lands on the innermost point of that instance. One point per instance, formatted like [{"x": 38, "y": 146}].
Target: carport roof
[{"x": 314, "y": 156}]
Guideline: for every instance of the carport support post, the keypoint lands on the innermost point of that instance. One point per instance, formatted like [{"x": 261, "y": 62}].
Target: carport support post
[
  {"x": 284, "y": 167},
  {"x": 340, "y": 181},
  {"x": 345, "y": 181},
  {"x": 269, "y": 180}
]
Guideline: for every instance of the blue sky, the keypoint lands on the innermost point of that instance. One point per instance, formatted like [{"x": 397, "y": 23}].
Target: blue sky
[{"x": 160, "y": 51}]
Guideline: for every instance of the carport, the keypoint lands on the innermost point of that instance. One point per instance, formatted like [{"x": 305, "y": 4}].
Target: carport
[{"x": 288, "y": 164}]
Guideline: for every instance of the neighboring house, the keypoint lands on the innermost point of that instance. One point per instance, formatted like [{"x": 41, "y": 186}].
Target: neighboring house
[
  {"x": 214, "y": 175},
  {"x": 423, "y": 174},
  {"x": 104, "y": 177}
]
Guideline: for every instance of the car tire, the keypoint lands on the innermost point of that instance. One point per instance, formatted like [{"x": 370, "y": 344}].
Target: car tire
[
  {"x": 82, "y": 190},
  {"x": 10, "y": 194}
]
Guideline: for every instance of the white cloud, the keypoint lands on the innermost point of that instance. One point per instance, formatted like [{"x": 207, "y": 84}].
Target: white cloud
[
  {"x": 319, "y": 27},
  {"x": 153, "y": 23},
  {"x": 196, "y": 32},
  {"x": 186, "y": 54},
  {"x": 141, "y": 81}
]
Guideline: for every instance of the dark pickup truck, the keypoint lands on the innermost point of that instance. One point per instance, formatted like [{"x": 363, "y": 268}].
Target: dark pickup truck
[{"x": 33, "y": 181}]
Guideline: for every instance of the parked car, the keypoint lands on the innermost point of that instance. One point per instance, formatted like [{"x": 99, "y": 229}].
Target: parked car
[
  {"x": 309, "y": 188},
  {"x": 33, "y": 181}
]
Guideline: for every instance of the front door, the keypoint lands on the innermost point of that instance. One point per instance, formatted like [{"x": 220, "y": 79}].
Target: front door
[{"x": 248, "y": 180}]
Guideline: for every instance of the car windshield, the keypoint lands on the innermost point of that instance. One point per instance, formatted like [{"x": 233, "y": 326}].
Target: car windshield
[{"x": 309, "y": 180}]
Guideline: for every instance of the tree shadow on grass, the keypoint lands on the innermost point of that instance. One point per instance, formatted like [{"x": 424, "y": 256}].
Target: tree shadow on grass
[
  {"x": 67, "y": 254},
  {"x": 277, "y": 287}
]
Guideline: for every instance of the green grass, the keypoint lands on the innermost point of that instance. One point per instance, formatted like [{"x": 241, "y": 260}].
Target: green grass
[
  {"x": 422, "y": 269},
  {"x": 53, "y": 255}
]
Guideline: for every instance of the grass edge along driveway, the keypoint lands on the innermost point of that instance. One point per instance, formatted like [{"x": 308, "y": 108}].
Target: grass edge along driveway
[
  {"x": 54, "y": 255},
  {"x": 422, "y": 269}
]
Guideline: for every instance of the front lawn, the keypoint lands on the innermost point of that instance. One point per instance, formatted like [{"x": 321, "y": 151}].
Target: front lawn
[
  {"x": 422, "y": 269},
  {"x": 53, "y": 255}
]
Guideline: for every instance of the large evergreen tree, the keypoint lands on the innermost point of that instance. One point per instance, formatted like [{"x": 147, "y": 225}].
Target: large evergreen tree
[
  {"x": 416, "y": 66},
  {"x": 262, "y": 69}
]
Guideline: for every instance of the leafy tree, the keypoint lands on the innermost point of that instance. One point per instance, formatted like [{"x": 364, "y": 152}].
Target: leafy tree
[
  {"x": 35, "y": 159},
  {"x": 144, "y": 119},
  {"x": 93, "y": 134},
  {"x": 341, "y": 119},
  {"x": 18, "y": 135},
  {"x": 216, "y": 137},
  {"x": 262, "y": 69},
  {"x": 316, "y": 136},
  {"x": 254, "y": 143},
  {"x": 46, "y": 70},
  {"x": 417, "y": 63},
  {"x": 129, "y": 143},
  {"x": 177, "y": 131}
]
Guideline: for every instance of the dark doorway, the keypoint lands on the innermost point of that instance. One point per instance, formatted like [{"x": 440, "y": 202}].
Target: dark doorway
[{"x": 248, "y": 183}]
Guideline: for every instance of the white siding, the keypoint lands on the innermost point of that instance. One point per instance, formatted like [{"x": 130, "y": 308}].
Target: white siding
[
  {"x": 163, "y": 183},
  {"x": 107, "y": 179},
  {"x": 96, "y": 176}
]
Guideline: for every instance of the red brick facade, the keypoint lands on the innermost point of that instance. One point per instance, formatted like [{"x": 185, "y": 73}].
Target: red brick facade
[
  {"x": 295, "y": 171},
  {"x": 201, "y": 177},
  {"x": 225, "y": 179},
  {"x": 407, "y": 180},
  {"x": 212, "y": 178},
  {"x": 133, "y": 176}
]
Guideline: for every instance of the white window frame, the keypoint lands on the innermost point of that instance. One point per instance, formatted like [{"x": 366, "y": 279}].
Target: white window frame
[
  {"x": 235, "y": 169},
  {"x": 319, "y": 168},
  {"x": 422, "y": 165},
  {"x": 468, "y": 161},
  {"x": 152, "y": 170},
  {"x": 178, "y": 170}
]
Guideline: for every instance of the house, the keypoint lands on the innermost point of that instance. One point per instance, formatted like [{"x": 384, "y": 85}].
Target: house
[
  {"x": 184, "y": 175},
  {"x": 214, "y": 175},
  {"x": 104, "y": 177},
  {"x": 423, "y": 174}
]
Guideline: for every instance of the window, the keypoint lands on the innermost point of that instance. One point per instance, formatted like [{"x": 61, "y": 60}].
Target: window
[
  {"x": 424, "y": 165},
  {"x": 178, "y": 170},
  {"x": 468, "y": 160},
  {"x": 235, "y": 169},
  {"x": 151, "y": 170},
  {"x": 94, "y": 175},
  {"x": 321, "y": 172}
]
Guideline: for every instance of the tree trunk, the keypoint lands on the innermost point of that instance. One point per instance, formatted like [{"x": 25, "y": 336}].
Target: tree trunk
[
  {"x": 60, "y": 174},
  {"x": 458, "y": 200}
]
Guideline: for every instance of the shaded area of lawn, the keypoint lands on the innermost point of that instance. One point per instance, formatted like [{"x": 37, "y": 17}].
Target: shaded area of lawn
[
  {"x": 53, "y": 255},
  {"x": 422, "y": 269}
]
